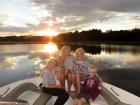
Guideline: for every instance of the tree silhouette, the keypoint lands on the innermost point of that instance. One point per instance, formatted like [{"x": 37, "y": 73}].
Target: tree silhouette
[{"x": 90, "y": 36}]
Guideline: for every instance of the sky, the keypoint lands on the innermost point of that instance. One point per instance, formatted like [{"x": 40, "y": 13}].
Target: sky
[{"x": 51, "y": 17}]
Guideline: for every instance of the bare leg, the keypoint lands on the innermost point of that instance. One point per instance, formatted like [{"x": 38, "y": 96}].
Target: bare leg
[
  {"x": 75, "y": 85},
  {"x": 81, "y": 101},
  {"x": 74, "y": 82},
  {"x": 69, "y": 78},
  {"x": 79, "y": 77},
  {"x": 61, "y": 78},
  {"x": 78, "y": 82},
  {"x": 75, "y": 102},
  {"x": 90, "y": 100}
]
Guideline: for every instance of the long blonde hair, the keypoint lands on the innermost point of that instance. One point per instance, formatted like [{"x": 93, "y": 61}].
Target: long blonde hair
[
  {"x": 63, "y": 48},
  {"x": 81, "y": 50},
  {"x": 49, "y": 60},
  {"x": 62, "y": 58}
]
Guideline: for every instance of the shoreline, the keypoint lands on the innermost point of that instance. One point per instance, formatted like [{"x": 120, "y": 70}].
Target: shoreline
[{"x": 76, "y": 43}]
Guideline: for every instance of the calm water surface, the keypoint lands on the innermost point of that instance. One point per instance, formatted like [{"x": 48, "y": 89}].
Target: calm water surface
[{"x": 117, "y": 64}]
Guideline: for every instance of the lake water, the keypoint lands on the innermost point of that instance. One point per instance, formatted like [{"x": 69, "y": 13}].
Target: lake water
[{"x": 118, "y": 65}]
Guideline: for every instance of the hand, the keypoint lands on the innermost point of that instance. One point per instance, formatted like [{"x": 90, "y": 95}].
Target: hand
[
  {"x": 99, "y": 87},
  {"x": 90, "y": 100},
  {"x": 59, "y": 86}
]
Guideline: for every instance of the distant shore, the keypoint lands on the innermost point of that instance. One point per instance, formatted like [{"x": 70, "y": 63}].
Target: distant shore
[{"x": 73, "y": 43}]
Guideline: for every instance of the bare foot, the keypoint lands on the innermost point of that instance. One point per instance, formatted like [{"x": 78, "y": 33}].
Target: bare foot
[{"x": 73, "y": 94}]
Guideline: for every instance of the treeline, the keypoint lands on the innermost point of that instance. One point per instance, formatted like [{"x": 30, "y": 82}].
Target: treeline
[
  {"x": 90, "y": 36},
  {"x": 20, "y": 39},
  {"x": 95, "y": 35}
]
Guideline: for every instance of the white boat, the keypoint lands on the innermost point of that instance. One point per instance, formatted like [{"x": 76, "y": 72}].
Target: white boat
[{"x": 26, "y": 92}]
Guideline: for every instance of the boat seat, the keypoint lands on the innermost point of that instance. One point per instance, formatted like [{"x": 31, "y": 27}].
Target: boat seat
[{"x": 30, "y": 93}]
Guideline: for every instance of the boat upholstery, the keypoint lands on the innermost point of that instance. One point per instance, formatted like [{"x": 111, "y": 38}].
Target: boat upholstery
[
  {"x": 18, "y": 92},
  {"x": 41, "y": 98},
  {"x": 110, "y": 98},
  {"x": 30, "y": 96}
]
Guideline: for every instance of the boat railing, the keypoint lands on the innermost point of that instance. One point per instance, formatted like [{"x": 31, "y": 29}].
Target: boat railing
[
  {"x": 5, "y": 92},
  {"x": 114, "y": 91},
  {"x": 110, "y": 97}
]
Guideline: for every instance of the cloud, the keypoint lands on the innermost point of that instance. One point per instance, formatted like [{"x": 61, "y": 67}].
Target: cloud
[
  {"x": 2, "y": 19},
  {"x": 82, "y": 7},
  {"x": 121, "y": 5},
  {"x": 81, "y": 13},
  {"x": 68, "y": 7},
  {"x": 4, "y": 29},
  {"x": 29, "y": 29},
  {"x": 134, "y": 18},
  {"x": 13, "y": 29},
  {"x": 134, "y": 21},
  {"x": 68, "y": 15},
  {"x": 1, "y": 23}
]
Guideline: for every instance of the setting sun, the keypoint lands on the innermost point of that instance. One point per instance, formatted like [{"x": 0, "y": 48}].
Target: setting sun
[
  {"x": 50, "y": 48},
  {"x": 48, "y": 32}
]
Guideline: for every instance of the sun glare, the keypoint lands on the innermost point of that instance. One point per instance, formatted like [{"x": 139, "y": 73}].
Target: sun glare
[
  {"x": 50, "y": 48},
  {"x": 48, "y": 32}
]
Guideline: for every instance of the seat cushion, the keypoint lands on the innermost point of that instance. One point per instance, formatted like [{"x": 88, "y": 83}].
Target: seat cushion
[{"x": 29, "y": 96}]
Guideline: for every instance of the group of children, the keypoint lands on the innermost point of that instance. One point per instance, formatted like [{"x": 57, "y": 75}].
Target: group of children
[{"x": 77, "y": 71}]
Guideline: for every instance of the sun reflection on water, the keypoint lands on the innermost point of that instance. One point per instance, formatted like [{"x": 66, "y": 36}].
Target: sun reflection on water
[
  {"x": 50, "y": 48},
  {"x": 8, "y": 63}
]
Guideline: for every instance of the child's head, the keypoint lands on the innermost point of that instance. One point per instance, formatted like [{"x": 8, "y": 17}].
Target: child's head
[
  {"x": 92, "y": 70},
  {"x": 51, "y": 63},
  {"x": 80, "y": 54},
  {"x": 65, "y": 51}
]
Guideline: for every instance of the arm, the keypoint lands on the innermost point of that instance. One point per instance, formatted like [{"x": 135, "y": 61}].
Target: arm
[
  {"x": 54, "y": 86},
  {"x": 61, "y": 65},
  {"x": 101, "y": 82},
  {"x": 45, "y": 79},
  {"x": 61, "y": 61},
  {"x": 90, "y": 100}
]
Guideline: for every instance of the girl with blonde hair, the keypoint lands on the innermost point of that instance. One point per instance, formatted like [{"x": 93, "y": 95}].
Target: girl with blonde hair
[
  {"x": 66, "y": 63},
  {"x": 80, "y": 68}
]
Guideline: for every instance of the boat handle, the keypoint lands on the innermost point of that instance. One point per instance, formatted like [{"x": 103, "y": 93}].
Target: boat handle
[
  {"x": 8, "y": 88},
  {"x": 114, "y": 91}
]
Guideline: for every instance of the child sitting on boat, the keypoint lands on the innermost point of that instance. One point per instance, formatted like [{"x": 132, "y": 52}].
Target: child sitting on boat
[
  {"x": 80, "y": 67},
  {"x": 91, "y": 87},
  {"x": 49, "y": 85},
  {"x": 66, "y": 63}
]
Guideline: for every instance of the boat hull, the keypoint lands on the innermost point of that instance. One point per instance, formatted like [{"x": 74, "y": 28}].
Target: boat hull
[{"x": 28, "y": 90}]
